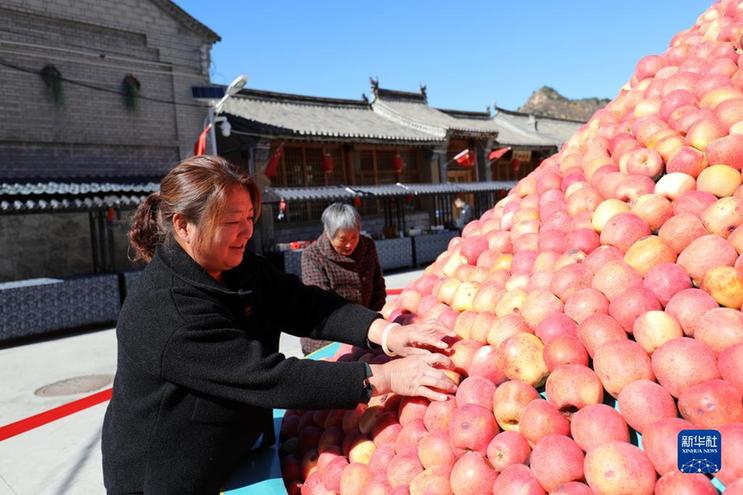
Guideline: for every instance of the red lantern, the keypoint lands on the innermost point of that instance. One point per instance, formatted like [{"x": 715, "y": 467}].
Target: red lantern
[
  {"x": 357, "y": 201},
  {"x": 515, "y": 165},
  {"x": 398, "y": 163},
  {"x": 328, "y": 164}
]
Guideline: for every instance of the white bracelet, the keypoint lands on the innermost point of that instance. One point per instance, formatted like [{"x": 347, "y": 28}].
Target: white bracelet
[{"x": 385, "y": 334}]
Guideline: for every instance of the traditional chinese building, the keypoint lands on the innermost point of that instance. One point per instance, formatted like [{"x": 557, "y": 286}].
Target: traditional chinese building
[{"x": 398, "y": 158}]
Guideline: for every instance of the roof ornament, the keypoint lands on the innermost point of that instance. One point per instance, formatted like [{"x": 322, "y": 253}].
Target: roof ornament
[
  {"x": 423, "y": 90},
  {"x": 495, "y": 109},
  {"x": 364, "y": 97},
  {"x": 487, "y": 111},
  {"x": 533, "y": 122},
  {"x": 374, "y": 84}
]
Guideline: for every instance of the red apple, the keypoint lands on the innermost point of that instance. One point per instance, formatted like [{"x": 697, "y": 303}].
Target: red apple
[
  {"x": 431, "y": 481},
  {"x": 508, "y": 448},
  {"x": 712, "y": 403},
  {"x": 563, "y": 350},
  {"x": 571, "y": 387},
  {"x": 660, "y": 442},
  {"x": 540, "y": 418},
  {"x": 666, "y": 280},
  {"x": 517, "y": 479},
  {"x": 595, "y": 331},
  {"x": 732, "y": 453},
  {"x": 643, "y": 402},
  {"x": 509, "y": 400},
  {"x": 730, "y": 364},
  {"x": 572, "y": 488},
  {"x": 409, "y": 436},
  {"x": 475, "y": 390},
  {"x": 630, "y": 304},
  {"x": 556, "y": 325},
  {"x": 623, "y": 230},
  {"x": 683, "y": 362},
  {"x": 615, "y": 277},
  {"x": 434, "y": 449},
  {"x": 596, "y": 425},
  {"x": 556, "y": 459},
  {"x": 618, "y": 468},
  {"x": 472, "y": 427},
  {"x": 678, "y": 483},
  {"x": 472, "y": 475},
  {"x": 654, "y": 328},
  {"x": 720, "y": 328},
  {"x": 619, "y": 363},
  {"x": 402, "y": 469},
  {"x": 688, "y": 306}
]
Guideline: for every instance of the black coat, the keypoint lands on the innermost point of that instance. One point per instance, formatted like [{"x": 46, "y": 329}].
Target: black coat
[{"x": 199, "y": 370}]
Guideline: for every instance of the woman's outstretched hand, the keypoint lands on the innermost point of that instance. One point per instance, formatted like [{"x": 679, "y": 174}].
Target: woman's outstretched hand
[
  {"x": 415, "y": 338},
  {"x": 416, "y": 375}
]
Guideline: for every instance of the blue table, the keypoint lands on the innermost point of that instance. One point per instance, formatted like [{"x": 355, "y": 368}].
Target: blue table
[{"x": 260, "y": 474}]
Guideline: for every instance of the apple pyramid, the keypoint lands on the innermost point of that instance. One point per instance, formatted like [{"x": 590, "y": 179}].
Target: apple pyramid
[{"x": 598, "y": 303}]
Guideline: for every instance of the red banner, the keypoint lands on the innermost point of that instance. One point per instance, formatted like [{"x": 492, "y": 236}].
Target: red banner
[{"x": 272, "y": 166}]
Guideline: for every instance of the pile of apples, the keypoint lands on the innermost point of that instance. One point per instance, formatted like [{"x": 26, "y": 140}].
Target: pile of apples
[{"x": 597, "y": 308}]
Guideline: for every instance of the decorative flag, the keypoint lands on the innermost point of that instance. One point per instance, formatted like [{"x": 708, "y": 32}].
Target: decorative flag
[
  {"x": 199, "y": 147},
  {"x": 272, "y": 166},
  {"x": 495, "y": 154},
  {"x": 465, "y": 158}
]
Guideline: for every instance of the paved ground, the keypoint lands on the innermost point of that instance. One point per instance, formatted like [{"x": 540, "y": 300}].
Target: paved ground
[{"x": 63, "y": 457}]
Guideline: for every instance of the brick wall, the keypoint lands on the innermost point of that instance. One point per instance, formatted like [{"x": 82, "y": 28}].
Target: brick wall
[{"x": 93, "y": 133}]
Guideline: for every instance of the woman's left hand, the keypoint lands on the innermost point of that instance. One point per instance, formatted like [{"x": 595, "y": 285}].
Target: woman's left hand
[{"x": 418, "y": 338}]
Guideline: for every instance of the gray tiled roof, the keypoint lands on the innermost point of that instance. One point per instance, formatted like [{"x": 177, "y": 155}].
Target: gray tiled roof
[
  {"x": 56, "y": 196},
  {"x": 74, "y": 188},
  {"x": 382, "y": 190},
  {"x": 311, "y": 193},
  {"x": 320, "y": 117},
  {"x": 419, "y": 115},
  {"x": 445, "y": 188},
  {"x": 520, "y": 129},
  {"x": 322, "y": 193},
  {"x": 487, "y": 186}
]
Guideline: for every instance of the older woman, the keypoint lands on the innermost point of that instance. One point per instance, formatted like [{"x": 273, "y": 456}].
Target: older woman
[
  {"x": 198, "y": 366},
  {"x": 343, "y": 261}
]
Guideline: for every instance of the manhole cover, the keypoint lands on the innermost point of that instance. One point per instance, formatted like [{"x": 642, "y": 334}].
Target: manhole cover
[{"x": 75, "y": 385}]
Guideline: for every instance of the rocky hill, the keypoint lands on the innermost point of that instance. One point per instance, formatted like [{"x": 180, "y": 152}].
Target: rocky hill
[{"x": 547, "y": 101}]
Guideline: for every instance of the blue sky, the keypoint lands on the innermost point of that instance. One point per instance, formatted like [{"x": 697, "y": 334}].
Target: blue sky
[{"x": 469, "y": 53}]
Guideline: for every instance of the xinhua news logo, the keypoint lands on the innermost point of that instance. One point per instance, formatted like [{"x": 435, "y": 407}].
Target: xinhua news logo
[{"x": 699, "y": 451}]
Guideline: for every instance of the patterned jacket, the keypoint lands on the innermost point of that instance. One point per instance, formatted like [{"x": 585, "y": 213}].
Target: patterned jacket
[{"x": 357, "y": 278}]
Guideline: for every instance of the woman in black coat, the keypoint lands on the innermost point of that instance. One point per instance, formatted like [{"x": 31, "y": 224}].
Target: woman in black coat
[{"x": 198, "y": 364}]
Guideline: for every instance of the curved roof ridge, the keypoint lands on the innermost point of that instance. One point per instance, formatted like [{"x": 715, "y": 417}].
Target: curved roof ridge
[{"x": 537, "y": 115}]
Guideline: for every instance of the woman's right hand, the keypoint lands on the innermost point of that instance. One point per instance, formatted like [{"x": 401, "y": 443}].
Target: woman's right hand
[{"x": 418, "y": 375}]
